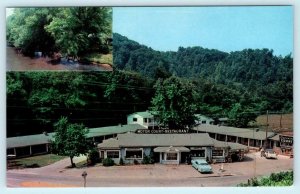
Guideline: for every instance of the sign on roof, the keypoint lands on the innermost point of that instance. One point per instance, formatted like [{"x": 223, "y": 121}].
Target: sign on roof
[
  {"x": 162, "y": 131},
  {"x": 286, "y": 139}
]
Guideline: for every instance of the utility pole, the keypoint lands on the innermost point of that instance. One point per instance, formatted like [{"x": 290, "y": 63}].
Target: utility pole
[{"x": 266, "y": 141}]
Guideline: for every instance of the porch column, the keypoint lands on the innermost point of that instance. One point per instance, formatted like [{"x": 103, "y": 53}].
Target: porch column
[
  {"x": 47, "y": 148},
  {"x": 237, "y": 139},
  {"x": 226, "y": 138},
  {"x": 248, "y": 142},
  {"x": 30, "y": 150},
  {"x": 215, "y": 135},
  {"x": 261, "y": 144},
  {"x": 15, "y": 152},
  {"x": 160, "y": 157}
]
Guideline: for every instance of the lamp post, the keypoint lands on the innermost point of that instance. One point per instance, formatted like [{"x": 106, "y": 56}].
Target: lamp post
[{"x": 84, "y": 175}]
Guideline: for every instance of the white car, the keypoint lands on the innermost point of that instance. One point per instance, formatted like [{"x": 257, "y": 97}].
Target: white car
[{"x": 270, "y": 154}]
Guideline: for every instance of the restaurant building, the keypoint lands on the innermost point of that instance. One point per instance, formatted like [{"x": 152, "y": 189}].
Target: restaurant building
[{"x": 166, "y": 148}]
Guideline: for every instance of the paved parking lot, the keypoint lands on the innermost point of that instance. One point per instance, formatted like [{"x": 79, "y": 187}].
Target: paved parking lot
[{"x": 157, "y": 175}]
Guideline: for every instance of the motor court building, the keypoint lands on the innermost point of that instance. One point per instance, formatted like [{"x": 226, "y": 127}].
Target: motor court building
[{"x": 165, "y": 148}]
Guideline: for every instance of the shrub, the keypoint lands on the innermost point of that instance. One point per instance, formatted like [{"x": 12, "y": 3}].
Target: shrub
[
  {"x": 93, "y": 156},
  {"x": 147, "y": 160},
  {"x": 275, "y": 179},
  {"x": 108, "y": 162}
]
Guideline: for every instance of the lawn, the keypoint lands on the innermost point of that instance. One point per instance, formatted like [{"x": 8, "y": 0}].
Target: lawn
[{"x": 34, "y": 161}]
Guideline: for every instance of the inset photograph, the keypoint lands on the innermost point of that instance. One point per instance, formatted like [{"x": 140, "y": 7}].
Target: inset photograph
[{"x": 59, "y": 38}]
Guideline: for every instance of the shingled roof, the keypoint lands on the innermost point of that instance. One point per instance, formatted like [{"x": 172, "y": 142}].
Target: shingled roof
[
  {"x": 28, "y": 140},
  {"x": 101, "y": 131},
  {"x": 231, "y": 145},
  {"x": 22, "y": 141},
  {"x": 161, "y": 140},
  {"x": 232, "y": 131}
]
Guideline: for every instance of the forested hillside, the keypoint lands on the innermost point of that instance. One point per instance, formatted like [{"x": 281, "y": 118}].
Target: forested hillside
[
  {"x": 240, "y": 85},
  {"x": 256, "y": 78},
  {"x": 36, "y": 100}
]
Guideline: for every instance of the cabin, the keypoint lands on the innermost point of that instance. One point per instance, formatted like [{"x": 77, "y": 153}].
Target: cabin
[{"x": 145, "y": 119}]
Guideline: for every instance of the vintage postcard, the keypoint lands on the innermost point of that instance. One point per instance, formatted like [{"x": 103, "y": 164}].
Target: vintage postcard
[{"x": 197, "y": 96}]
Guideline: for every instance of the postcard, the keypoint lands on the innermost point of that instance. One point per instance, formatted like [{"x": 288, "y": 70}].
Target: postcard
[{"x": 198, "y": 96}]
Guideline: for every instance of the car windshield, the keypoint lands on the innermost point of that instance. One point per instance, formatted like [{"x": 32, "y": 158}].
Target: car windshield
[
  {"x": 203, "y": 164},
  {"x": 271, "y": 151}
]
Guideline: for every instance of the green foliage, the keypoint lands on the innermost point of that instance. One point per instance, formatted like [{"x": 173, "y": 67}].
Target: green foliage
[
  {"x": 275, "y": 179},
  {"x": 148, "y": 159},
  {"x": 69, "y": 139},
  {"x": 78, "y": 30},
  {"x": 73, "y": 31},
  {"x": 25, "y": 29},
  {"x": 254, "y": 78},
  {"x": 240, "y": 116},
  {"x": 93, "y": 156},
  {"x": 130, "y": 55},
  {"x": 174, "y": 102},
  {"x": 108, "y": 162},
  {"x": 51, "y": 91},
  {"x": 36, "y": 100}
]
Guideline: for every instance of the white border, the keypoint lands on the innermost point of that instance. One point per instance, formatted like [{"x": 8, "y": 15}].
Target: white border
[{"x": 139, "y": 190}]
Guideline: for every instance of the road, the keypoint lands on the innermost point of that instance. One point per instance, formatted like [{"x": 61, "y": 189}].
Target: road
[{"x": 149, "y": 175}]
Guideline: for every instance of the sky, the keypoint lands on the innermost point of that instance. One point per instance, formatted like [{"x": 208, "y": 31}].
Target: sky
[{"x": 224, "y": 28}]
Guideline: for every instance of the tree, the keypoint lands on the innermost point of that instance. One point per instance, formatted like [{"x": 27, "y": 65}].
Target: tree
[
  {"x": 70, "y": 139},
  {"x": 240, "y": 116},
  {"x": 78, "y": 30},
  {"x": 25, "y": 29},
  {"x": 175, "y": 102}
]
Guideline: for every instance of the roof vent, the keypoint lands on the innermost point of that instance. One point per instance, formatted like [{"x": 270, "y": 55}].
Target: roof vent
[{"x": 45, "y": 133}]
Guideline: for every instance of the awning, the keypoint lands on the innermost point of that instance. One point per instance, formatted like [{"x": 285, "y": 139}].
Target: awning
[{"x": 171, "y": 149}]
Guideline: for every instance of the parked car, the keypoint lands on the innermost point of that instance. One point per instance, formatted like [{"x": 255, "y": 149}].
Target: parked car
[
  {"x": 201, "y": 165},
  {"x": 269, "y": 154}
]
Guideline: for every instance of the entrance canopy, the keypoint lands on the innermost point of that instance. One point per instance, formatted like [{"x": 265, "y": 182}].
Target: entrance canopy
[{"x": 171, "y": 149}]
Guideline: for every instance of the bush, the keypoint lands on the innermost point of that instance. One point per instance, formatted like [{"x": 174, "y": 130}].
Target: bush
[
  {"x": 93, "y": 157},
  {"x": 147, "y": 160},
  {"x": 108, "y": 162},
  {"x": 275, "y": 179}
]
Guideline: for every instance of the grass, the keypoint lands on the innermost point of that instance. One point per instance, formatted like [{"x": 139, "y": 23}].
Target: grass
[
  {"x": 34, "y": 161},
  {"x": 98, "y": 58}
]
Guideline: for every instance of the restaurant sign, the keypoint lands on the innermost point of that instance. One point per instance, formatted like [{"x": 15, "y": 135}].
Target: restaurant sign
[
  {"x": 286, "y": 139},
  {"x": 162, "y": 131}
]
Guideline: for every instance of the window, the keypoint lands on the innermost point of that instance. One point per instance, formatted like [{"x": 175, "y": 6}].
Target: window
[
  {"x": 217, "y": 153},
  {"x": 149, "y": 120},
  {"x": 171, "y": 156},
  {"x": 134, "y": 153},
  {"x": 134, "y": 119},
  {"x": 197, "y": 153},
  {"x": 145, "y": 120},
  {"x": 204, "y": 122},
  {"x": 112, "y": 154}
]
